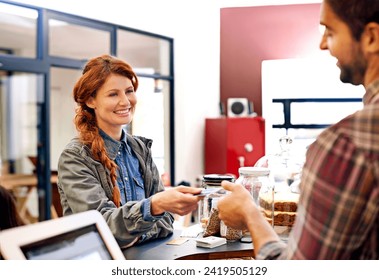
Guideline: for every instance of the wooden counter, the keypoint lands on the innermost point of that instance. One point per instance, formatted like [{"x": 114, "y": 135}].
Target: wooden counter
[{"x": 159, "y": 250}]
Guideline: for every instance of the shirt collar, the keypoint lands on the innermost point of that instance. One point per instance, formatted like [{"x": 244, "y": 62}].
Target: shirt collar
[
  {"x": 112, "y": 146},
  {"x": 372, "y": 93}
]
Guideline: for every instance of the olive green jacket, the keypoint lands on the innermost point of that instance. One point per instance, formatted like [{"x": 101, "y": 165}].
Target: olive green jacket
[{"x": 84, "y": 184}]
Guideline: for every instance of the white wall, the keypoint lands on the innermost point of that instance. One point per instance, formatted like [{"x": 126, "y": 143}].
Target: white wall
[{"x": 195, "y": 27}]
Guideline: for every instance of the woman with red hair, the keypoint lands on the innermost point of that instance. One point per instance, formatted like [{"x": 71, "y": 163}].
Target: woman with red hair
[{"x": 107, "y": 169}]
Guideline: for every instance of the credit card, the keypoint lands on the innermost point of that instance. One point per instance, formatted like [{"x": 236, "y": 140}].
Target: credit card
[{"x": 208, "y": 191}]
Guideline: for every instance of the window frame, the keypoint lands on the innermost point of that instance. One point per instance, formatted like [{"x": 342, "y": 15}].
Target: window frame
[{"x": 43, "y": 62}]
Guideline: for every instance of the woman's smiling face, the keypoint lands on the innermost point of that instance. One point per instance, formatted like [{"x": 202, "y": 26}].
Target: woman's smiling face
[{"x": 114, "y": 104}]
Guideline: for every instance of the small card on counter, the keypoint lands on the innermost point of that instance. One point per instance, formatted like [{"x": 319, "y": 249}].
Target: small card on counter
[
  {"x": 177, "y": 241},
  {"x": 210, "y": 241}
]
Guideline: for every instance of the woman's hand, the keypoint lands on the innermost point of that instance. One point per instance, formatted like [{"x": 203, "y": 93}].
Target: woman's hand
[{"x": 178, "y": 200}]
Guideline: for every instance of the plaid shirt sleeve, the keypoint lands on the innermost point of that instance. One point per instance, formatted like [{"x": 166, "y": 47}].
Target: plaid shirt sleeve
[{"x": 338, "y": 204}]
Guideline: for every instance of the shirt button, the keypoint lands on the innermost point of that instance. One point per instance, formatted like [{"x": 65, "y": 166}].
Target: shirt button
[
  {"x": 126, "y": 178},
  {"x": 119, "y": 153}
]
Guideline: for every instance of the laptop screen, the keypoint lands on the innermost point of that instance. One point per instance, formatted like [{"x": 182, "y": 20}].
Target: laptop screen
[
  {"x": 83, "y": 243},
  {"x": 81, "y": 236}
]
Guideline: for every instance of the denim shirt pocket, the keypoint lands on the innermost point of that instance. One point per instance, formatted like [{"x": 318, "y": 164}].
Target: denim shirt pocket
[{"x": 139, "y": 188}]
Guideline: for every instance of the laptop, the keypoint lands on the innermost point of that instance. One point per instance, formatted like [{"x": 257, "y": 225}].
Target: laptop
[{"x": 82, "y": 236}]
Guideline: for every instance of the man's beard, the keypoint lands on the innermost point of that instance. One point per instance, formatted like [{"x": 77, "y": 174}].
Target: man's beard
[{"x": 355, "y": 71}]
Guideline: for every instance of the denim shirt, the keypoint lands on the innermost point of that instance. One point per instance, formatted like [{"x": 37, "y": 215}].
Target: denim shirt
[{"x": 129, "y": 178}]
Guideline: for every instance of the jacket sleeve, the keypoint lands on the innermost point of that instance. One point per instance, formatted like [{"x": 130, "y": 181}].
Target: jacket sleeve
[
  {"x": 83, "y": 185},
  {"x": 164, "y": 226}
]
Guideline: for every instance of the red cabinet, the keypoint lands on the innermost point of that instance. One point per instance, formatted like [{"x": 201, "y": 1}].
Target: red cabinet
[{"x": 233, "y": 142}]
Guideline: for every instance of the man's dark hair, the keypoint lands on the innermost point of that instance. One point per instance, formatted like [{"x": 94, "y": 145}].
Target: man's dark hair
[{"x": 356, "y": 13}]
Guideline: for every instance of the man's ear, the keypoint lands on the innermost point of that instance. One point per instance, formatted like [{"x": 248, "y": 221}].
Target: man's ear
[
  {"x": 371, "y": 37},
  {"x": 91, "y": 103}
]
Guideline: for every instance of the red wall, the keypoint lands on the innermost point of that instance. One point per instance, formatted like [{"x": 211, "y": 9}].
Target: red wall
[{"x": 250, "y": 35}]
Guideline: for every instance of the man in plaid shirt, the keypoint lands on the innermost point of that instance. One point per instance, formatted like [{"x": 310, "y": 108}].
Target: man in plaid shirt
[{"x": 338, "y": 210}]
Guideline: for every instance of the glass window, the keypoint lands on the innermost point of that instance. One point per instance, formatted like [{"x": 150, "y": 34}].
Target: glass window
[
  {"x": 76, "y": 41},
  {"x": 322, "y": 112},
  {"x": 18, "y": 137},
  {"x": 143, "y": 51},
  {"x": 62, "y": 111},
  {"x": 277, "y": 113},
  {"x": 151, "y": 119},
  {"x": 18, "y": 126},
  {"x": 18, "y": 30}
]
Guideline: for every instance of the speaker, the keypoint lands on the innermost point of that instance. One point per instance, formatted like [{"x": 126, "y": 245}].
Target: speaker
[{"x": 238, "y": 107}]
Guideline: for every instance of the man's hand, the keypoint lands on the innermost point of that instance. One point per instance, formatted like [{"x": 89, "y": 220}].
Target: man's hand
[{"x": 235, "y": 208}]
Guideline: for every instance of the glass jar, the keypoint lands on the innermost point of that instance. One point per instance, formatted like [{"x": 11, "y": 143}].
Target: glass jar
[
  {"x": 229, "y": 233},
  {"x": 212, "y": 226},
  {"x": 253, "y": 179},
  {"x": 257, "y": 181},
  {"x": 285, "y": 172},
  {"x": 211, "y": 181}
]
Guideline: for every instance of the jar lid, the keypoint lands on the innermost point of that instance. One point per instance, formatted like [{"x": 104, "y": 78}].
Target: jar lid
[
  {"x": 252, "y": 170},
  {"x": 216, "y": 179}
]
